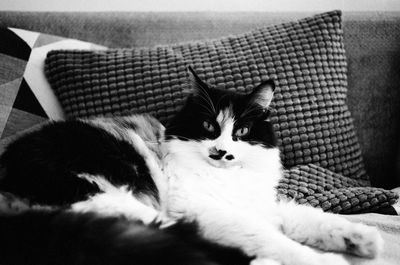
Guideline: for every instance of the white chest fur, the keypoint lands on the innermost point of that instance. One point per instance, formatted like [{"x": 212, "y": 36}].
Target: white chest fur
[{"x": 193, "y": 180}]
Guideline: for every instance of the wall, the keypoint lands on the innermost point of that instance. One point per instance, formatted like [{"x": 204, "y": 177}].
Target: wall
[{"x": 199, "y": 5}]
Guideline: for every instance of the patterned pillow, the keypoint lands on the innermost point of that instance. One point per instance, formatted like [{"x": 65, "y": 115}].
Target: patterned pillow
[
  {"x": 19, "y": 107},
  {"x": 305, "y": 58},
  {"x": 319, "y": 187},
  {"x": 26, "y": 98}
]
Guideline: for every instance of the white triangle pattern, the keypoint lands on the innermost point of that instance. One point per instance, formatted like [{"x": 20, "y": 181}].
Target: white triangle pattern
[
  {"x": 29, "y": 37},
  {"x": 34, "y": 71}
]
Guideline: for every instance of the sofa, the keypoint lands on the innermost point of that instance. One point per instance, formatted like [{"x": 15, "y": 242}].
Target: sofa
[{"x": 371, "y": 41}]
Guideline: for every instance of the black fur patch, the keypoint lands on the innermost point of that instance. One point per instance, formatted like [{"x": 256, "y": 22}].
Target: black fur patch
[
  {"x": 67, "y": 238},
  {"x": 43, "y": 165}
]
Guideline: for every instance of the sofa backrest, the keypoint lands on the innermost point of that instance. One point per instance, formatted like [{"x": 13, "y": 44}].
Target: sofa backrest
[{"x": 372, "y": 42}]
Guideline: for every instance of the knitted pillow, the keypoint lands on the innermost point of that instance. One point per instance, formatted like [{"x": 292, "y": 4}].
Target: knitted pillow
[
  {"x": 305, "y": 58},
  {"x": 319, "y": 187}
]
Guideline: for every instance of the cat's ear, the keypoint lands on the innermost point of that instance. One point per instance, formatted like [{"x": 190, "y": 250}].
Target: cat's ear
[
  {"x": 195, "y": 85},
  {"x": 263, "y": 93}
]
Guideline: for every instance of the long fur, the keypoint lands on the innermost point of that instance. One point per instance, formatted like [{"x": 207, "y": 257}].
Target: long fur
[
  {"x": 43, "y": 165},
  {"x": 47, "y": 237}
]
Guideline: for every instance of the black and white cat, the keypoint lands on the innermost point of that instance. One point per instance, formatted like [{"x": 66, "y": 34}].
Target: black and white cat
[{"x": 122, "y": 191}]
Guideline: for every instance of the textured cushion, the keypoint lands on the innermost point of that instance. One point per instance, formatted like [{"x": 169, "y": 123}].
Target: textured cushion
[
  {"x": 319, "y": 187},
  {"x": 305, "y": 58}
]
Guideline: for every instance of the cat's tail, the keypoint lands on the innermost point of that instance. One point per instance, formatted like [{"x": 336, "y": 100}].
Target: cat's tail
[{"x": 48, "y": 237}]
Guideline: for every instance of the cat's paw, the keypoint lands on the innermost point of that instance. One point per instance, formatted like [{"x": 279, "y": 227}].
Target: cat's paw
[
  {"x": 353, "y": 238},
  {"x": 363, "y": 240},
  {"x": 264, "y": 261}
]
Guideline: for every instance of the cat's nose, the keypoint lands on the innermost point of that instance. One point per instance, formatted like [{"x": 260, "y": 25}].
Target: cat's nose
[
  {"x": 229, "y": 157},
  {"x": 216, "y": 154},
  {"x": 221, "y": 152}
]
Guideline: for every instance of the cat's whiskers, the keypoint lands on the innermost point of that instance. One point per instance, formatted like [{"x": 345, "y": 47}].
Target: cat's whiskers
[
  {"x": 204, "y": 113},
  {"x": 154, "y": 142},
  {"x": 179, "y": 136},
  {"x": 210, "y": 108},
  {"x": 249, "y": 109},
  {"x": 252, "y": 117},
  {"x": 179, "y": 125},
  {"x": 220, "y": 99},
  {"x": 207, "y": 98},
  {"x": 209, "y": 111},
  {"x": 179, "y": 152}
]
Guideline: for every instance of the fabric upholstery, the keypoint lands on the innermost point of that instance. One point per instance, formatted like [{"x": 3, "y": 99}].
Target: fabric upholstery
[
  {"x": 306, "y": 59},
  {"x": 374, "y": 92},
  {"x": 319, "y": 187},
  {"x": 308, "y": 183},
  {"x": 371, "y": 40}
]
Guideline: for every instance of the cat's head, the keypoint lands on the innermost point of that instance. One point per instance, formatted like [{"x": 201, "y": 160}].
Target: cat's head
[{"x": 224, "y": 125}]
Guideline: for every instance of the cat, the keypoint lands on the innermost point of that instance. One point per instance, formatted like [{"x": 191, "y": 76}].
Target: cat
[
  {"x": 55, "y": 209},
  {"x": 200, "y": 191}
]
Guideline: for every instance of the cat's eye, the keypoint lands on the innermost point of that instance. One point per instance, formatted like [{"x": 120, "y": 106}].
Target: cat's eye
[
  {"x": 208, "y": 126},
  {"x": 243, "y": 131}
]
